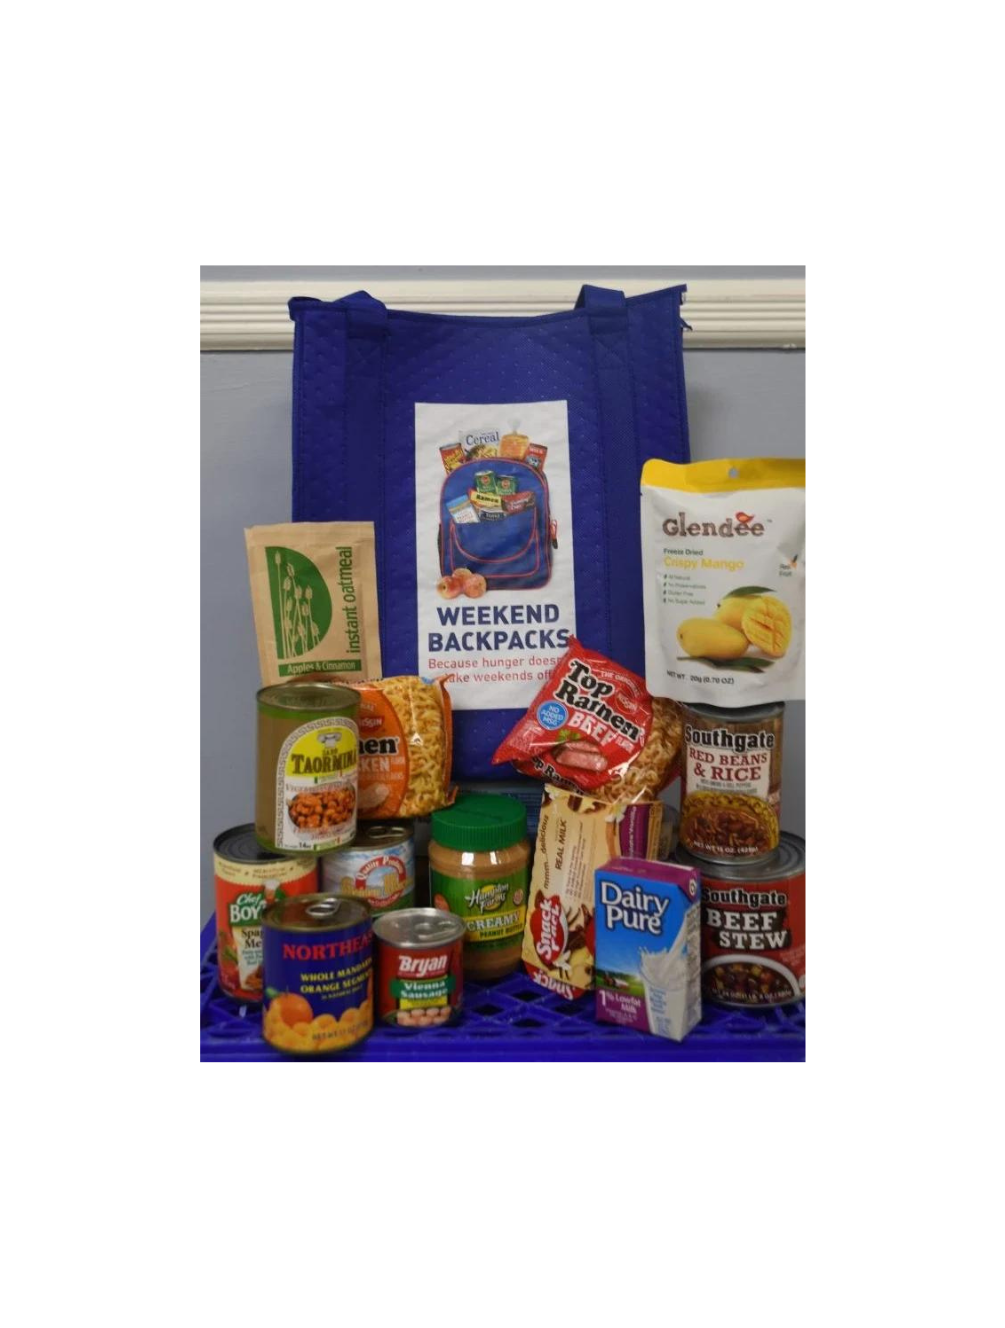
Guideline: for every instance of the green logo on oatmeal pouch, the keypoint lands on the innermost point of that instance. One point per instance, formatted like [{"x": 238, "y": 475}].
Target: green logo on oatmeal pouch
[{"x": 301, "y": 604}]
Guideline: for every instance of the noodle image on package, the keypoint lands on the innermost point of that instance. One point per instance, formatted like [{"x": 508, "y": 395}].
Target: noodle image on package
[
  {"x": 724, "y": 580},
  {"x": 494, "y": 553}
]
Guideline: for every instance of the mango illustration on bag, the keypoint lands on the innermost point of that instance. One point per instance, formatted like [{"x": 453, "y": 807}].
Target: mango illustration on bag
[
  {"x": 723, "y": 579},
  {"x": 314, "y": 595}
]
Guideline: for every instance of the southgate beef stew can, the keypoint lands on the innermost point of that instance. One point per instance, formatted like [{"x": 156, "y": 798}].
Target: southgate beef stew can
[{"x": 753, "y": 928}]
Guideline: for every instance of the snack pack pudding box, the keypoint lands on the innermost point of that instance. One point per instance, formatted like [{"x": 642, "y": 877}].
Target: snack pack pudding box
[{"x": 648, "y": 962}]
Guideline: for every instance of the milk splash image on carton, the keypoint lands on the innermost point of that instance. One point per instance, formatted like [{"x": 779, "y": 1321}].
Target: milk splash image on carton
[{"x": 648, "y": 962}]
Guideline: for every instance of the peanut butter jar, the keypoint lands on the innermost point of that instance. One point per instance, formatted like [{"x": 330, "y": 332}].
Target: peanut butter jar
[{"x": 479, "y": 860}]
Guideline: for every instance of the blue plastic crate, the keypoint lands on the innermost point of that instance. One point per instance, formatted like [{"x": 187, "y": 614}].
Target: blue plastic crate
[{"x": 513, "y": 1020}]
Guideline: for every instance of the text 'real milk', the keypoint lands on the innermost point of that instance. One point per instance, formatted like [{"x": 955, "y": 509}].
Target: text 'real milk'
[{"x": 648, "y": 963}]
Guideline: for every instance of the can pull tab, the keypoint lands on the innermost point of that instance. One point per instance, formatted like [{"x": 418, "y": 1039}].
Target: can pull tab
[
  {"x": 324, "y": 908},
  {"x": 380, "y": 835}
]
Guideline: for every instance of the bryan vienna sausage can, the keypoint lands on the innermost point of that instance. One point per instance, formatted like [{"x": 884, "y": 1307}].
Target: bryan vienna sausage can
[
  {"x": 753, "y": 928},
  {"x": 379, "y": 867},
  {"x": 731, "y": 780},
  {"x": 248, "y": 877},
  {"x": 318, "y": 974},
  {"x": 308, "y": 753},
  {"x": 420, "y": 970}
]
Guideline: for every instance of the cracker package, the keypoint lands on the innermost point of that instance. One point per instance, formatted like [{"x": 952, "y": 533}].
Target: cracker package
[
  {"x": 314, "y": 595},
  {"x": 576, "y": 835},
  {"x": 723, "y": 580},
  {"x": 594, "y": 728},
  {"x": 405, "y": 736}
]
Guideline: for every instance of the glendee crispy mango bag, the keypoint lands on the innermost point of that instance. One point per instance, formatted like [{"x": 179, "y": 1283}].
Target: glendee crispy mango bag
[{"x": 723, "y": 580}]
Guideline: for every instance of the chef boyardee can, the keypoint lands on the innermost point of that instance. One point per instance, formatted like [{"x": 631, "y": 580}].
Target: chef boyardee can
[
  {"x": 753, "y": 927},
  {"x": 420, "y": 969},
  {"x": 318, "y": 952},
  {"x": 248, "y": 879}
]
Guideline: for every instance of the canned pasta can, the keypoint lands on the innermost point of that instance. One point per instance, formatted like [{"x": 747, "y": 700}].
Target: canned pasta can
[
  {"x": 731, "y": 776},
  {"x": 248, "y": 878}
]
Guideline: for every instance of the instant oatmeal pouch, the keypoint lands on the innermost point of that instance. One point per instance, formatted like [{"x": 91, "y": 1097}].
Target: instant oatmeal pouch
[
  {"x": 575, "y": 836},
  {"x": 594, "y": 728},
  {"x": 723, "y": 580},
  {"x": 314, "y": 595},
  {"x": 405, "y": 736}
]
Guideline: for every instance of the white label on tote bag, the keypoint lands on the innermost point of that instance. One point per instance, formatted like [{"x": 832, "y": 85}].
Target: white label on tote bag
[{"x": 496, "y": 600}]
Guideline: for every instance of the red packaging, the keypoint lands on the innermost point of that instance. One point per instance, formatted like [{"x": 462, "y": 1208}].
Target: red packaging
[
  {"x": 753, "y": 927},
  {"x": 586, "y": 725},
  {"x": 420, "y": 966}
]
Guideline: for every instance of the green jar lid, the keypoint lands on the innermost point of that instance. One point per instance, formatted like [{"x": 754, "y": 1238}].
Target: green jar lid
[{"x": 480, "y": 821}]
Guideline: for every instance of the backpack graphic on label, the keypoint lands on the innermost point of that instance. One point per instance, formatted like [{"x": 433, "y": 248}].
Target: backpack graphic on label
[{"x": 506, "y": 537}]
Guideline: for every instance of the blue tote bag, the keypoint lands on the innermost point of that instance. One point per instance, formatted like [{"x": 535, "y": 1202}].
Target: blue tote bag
[{"x": 499, "y": 459}]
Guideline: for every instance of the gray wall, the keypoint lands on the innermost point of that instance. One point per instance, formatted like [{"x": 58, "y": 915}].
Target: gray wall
[{"x": 891, "y": 772}]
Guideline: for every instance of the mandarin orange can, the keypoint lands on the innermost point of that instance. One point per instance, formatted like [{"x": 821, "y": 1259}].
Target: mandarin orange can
[{"x": 318, "y": 957}]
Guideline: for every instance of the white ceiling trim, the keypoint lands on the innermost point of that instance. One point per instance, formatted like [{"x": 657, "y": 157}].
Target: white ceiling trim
[{"x": 766, "y": 314}]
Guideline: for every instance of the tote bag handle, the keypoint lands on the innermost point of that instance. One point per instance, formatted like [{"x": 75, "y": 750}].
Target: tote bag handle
[
  {"x": 620, "y": 463},
  {"x": 366, "y": 336}
]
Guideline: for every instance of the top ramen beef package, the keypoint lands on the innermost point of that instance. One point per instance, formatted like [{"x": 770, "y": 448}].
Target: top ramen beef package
[{"x": 593, "y": 728}]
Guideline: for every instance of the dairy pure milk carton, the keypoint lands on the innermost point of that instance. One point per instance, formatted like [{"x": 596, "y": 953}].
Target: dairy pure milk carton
[{"x": 648, "y": 963}]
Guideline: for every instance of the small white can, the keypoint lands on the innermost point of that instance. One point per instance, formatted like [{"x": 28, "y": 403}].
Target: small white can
[{"x": 378, "y": 867}]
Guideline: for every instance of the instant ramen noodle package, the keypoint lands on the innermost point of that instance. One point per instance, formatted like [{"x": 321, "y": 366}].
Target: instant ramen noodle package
[
  {"x": 723, "y": 580},
  {"x": 594, "y": 728},
  {"x": 577, "y": 834},
  {"x": 405, "y": 738}
]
